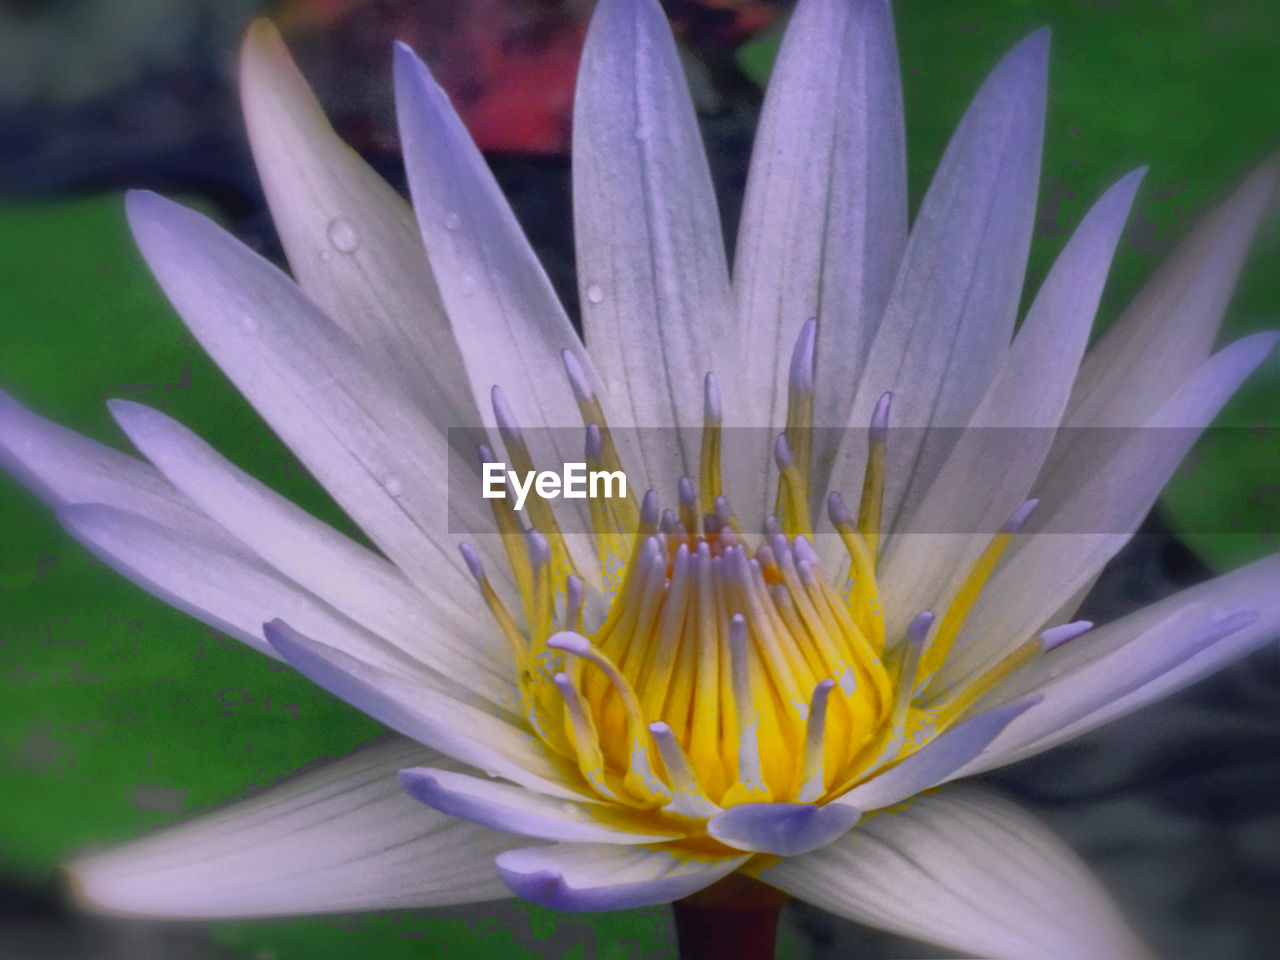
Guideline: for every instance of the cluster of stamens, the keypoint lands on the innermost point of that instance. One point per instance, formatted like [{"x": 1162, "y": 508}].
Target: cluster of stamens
[{"x": 728, "y": 669}]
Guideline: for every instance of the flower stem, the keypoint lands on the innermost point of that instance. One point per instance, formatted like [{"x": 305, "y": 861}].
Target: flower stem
[{"x": 736, "y": 918}]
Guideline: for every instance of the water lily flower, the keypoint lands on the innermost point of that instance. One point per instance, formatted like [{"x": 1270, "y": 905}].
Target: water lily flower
[{"x": 616, "y": 703}]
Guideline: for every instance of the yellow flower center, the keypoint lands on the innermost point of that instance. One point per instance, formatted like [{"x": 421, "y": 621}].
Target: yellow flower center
[{"x": 728, "y": 669}]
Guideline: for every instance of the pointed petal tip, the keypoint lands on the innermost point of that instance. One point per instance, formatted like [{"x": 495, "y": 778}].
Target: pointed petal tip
[
  {"x": 280, "y": 635},
  {"x": 78, "y": 885},
  {"x": 129, "y": 415},
  {"x": 120, "y": 407},
  {"x": 1128, "y": 185},
  {"x": 71, "y": 516},
  {"x": 140, "y": 203},
  {"x": 261, "y": 40},
  {"x": 419, "y": 783},
  {"x": 1027, "y": 61},
  {"x": 546, "y": 888},
  {"x": 782, "y": 829},
  {"x": 410, "y": 73},
  {"x": 1229, "y": 622},
  {"x": 1037, "y": 42}
]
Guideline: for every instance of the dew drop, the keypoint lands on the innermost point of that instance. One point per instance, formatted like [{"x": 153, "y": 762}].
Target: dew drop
[
  {"x": 249, "y": 323},
  {"x": 492, "y": 774},
  {"x": 343, "y": 235},
  {"x": 468, "y": 284},
  {"x": 393, "y": 486},
  {"x": 642, "y": 132},
  {"x": 452, "y": 221},
  {"x": 595, "y": 293}
]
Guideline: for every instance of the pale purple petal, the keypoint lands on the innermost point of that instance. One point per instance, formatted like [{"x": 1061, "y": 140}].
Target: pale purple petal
[
  {"x": 969, "y": 872},
  {"x": 62, "y": 467},
  {"x": 433, "y": 627},
  {"x": 365, "y": 441},
  {"x": 340, "y": 839},
  {"x": 784, "y": 829},
  {"x": 592, "y": 877},
  {"x": 1097, "y": 515},
  {"x": 516, "y": 810},
  {"x": 937, "y": 761},
  {"x": 1170, "y": 328},
  {"x": 432, "y": 718},
  {"x": 994, "y": 465},
  {"x": 824, "y": 219},
  {"x": 1147, "y": 655},
  {"x": 652, "y": 274},
  {"x": 234, "y": 593},
  {"x": 351, "y": 240},
  {"x": 950, "y": 317},
  {"x": 506, "y": 318}
]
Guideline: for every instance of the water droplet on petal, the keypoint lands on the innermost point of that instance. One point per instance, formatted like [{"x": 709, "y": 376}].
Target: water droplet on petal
[
  {"x": 452, "y": 221},
  {"x": 468, "y": 284},
  {"x": 491, "y": 774},
  {"x": 595, "y": 293},
  {"x": 249, "y": 323},
  {"x": 393, "y": 486},
  {"x": 642, "y": 132},
  {"x": 343, "y": 235}
]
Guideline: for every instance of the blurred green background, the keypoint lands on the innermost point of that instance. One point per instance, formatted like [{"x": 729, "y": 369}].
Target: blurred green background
[{"x": 119, "y": 716}]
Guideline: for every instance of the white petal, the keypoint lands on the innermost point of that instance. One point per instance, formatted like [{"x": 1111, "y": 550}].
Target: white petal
[
  {"x": 430, "y": 717},
  {"x": 994, "y": 464},
  {"x": 951, "y": 315},
  {"x": 594, "y": 876},
  {"x": 516, "y": 810},
  {"x": 937, "y": 761},
  {"x": 1170, "y": 328},
  {"x": 653, "y": 278},
  {"x": 61, "y": 467},
  {"x": 232, "y": 592},
  {"x": 351, "y": 240},
  {"x": 1108, "y": 496},
  {"x": 824, "y": 219},
  {"x": 340, "y": 839},
  {"x": 967, "y": 871},
  {"x": 1140, "y": 658},
  {"x": 362, "y": 438},
  {"x": 437, "y": 631},
  {"x": 507, "y": 321}
]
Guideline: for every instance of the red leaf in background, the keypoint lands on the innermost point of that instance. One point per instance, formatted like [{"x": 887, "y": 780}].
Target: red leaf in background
[{"x": 509, "y": 65}]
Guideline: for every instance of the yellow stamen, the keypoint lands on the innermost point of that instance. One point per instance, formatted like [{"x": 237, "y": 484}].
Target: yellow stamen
[
  {"x": 812, "y": 765},
  {"x": 970, "y": 590},
  {"x": 732, "y": 656},
  {"x": 641, "y": 781},
  {"x": 709, "y": 460},
  {"x": 872, "y": 504},
  {"x": 749, "y": 786}
]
